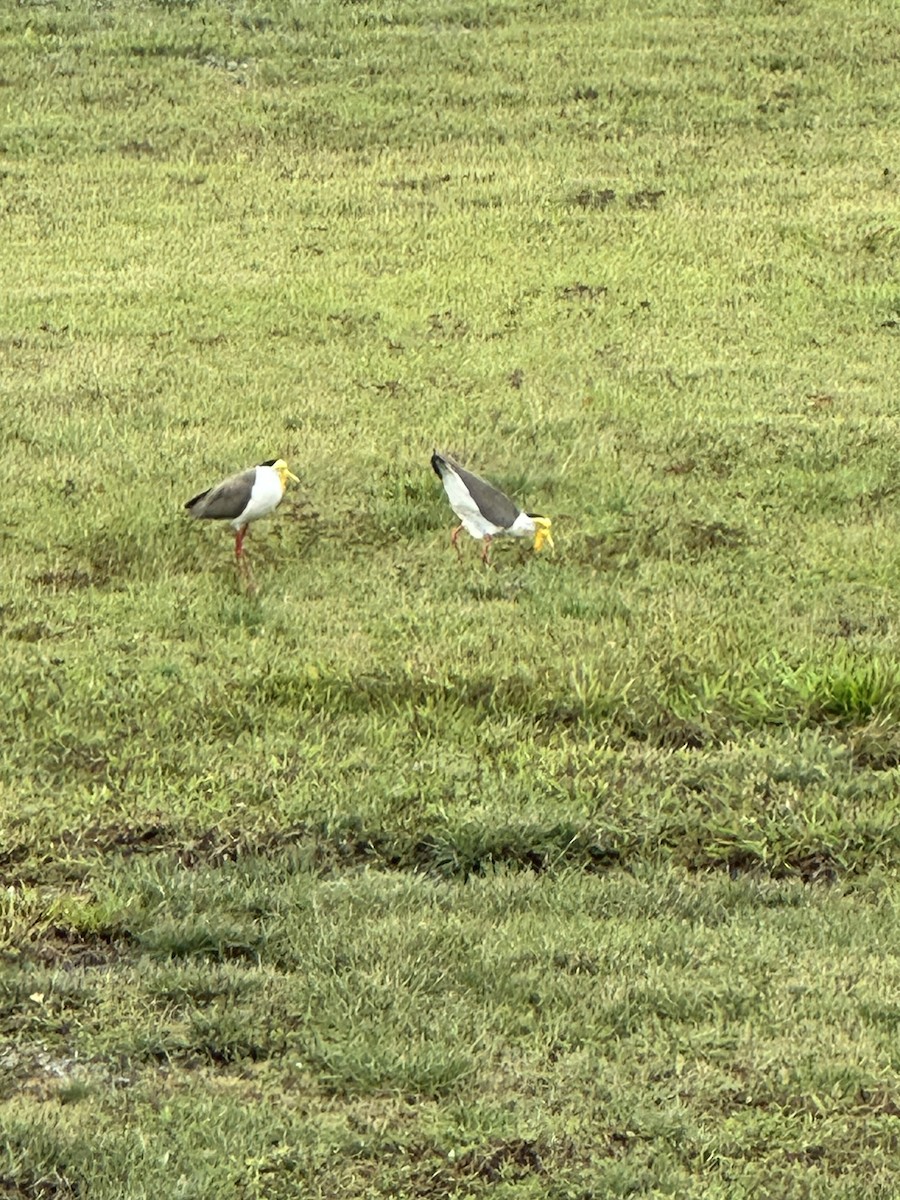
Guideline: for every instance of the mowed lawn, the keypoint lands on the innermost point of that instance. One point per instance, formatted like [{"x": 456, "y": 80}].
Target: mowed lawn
[{"x": 397, "y": 875}]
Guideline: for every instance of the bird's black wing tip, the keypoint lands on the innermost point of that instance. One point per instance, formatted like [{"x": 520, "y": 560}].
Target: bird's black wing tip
[
  {"x": 437, "y": 462},
  {"x": 189, "y": 504}
]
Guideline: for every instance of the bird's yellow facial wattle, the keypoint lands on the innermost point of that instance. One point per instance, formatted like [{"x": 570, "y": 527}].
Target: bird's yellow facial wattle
[
  {"x": 542, "y": 535},
  {"x": 284, "y": 474}
]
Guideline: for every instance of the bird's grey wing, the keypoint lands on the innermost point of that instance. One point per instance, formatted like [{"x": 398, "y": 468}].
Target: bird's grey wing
[
  {"x": 491, "y": 502},
  {"x": 227, "y": 500},
  {"x": 460, "y": 500}
]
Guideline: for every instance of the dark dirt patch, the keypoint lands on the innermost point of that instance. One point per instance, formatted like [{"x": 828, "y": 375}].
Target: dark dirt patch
[
  {"x": 582, "y": 291},
  {"x": 575, "y": 964},
  {"x": 875, "y": 750},
  {"x": 388, "y": 386},
  {"x": 208, "y": 339},
  {"x": 425, "y": 184},
  {"x": 506, "y": 1160},
  {"x": 68, "y": 580},
  {"x": 531, "y": 850},
  {"x": 619, "y": 1142},
  {"x": 447, "y": 324},
  {"x": 471, "y": 853},
  {"x": 138, "y": 149},
  {"x": 644, "y": 199},
  {"x": 597, "y": 198},
  {"x": 32, "y": 631},
  {"x": 820, "y": 400},
  {"x": 807, "y": 1156},
  {"x": 69, "y": 856},
  {"x": 849, "y": 626},
  {"x": 875, "y": 496},
  {"x": 813, "y": 868},
  {"x": 10, "y": 859},
  {"x": 349, "y": 323},
  {"x": 702, "y": 536},
  {"x": 458, "y": 854},
  {"x": 818, "y": 867},
  {"x": 671, "y": 732},
  {"x": 684, "y": 467},
  {"x": 683, "y": 735},
  {"x": 438, "y": 1175},
  {"x": 878, "y": 1103},
  {"x": 130, "y": 840},
  {"x": 52, "y": 1186},
  {"x": 59, "y": 946}
]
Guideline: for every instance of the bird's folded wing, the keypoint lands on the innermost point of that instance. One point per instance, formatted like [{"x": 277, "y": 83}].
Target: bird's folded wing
[
  {"x": 227, "y": 500},
  {"x": 481, "y": 497}
]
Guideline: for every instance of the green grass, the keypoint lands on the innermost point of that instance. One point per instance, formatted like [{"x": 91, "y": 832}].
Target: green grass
[
  {"x": 401, "y": 877},
  {"x": 563, "y": 1035}
]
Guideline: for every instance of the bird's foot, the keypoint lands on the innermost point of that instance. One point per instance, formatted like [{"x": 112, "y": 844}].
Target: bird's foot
[{"x": 246, "y": 578}]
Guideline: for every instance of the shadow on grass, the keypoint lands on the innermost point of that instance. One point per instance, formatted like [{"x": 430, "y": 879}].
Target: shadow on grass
[
  {"x": 468, "y": 851},
  {"x": 398, "y": 691},
  {"x": 462, "y": 853}
]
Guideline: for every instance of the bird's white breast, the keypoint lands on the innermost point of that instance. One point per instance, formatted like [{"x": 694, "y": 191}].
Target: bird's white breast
[{"x": 265, "y": 495}]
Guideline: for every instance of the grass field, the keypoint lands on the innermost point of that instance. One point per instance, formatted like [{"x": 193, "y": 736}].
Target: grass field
[{"x": 575, "y": 877}]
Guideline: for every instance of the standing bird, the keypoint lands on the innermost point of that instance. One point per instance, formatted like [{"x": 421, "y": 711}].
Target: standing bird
[
  {"x": 243, "y": 498},
  {"x": 484, "y": 511}
]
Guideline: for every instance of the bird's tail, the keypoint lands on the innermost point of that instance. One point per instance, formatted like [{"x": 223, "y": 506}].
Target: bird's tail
[{"x": 196, "y": 502}]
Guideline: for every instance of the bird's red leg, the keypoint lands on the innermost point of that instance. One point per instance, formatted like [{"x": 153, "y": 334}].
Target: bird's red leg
[
  {"x": 244, "y": 569},
  {"x": 487, "y": 549},
  {"x": 454, "y": 540}
]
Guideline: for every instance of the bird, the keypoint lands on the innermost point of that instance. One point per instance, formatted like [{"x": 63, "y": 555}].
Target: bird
[
  {"x": 484, "y": 511},
  {"x": 243, "y": 498}
]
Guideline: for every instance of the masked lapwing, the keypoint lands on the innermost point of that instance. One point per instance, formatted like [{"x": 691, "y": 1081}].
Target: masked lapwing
[
  {"x": 484, "y": 511},
  {"x": 243, "y": 498}
]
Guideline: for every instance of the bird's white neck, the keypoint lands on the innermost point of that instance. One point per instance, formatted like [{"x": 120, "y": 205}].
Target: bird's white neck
[{"x": 522, "y": 525}]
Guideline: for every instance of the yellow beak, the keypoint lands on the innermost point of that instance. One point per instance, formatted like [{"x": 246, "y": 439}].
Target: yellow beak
[{"x": 542, "y": 538}]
